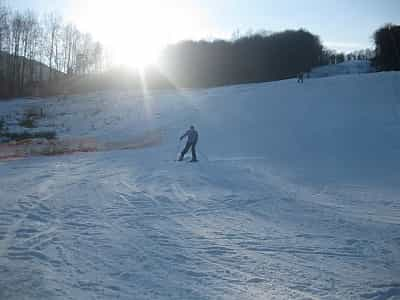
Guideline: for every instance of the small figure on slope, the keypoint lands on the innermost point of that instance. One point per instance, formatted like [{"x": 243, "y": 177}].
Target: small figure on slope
[
  {"x": 192, "y": 138},
  {"x": 300, "y": 77}
]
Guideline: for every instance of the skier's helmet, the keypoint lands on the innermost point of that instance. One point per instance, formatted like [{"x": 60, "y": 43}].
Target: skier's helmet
[{"x": 192, "y": 127}]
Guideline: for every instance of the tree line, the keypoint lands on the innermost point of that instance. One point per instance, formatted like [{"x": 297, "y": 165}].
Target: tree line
[
  {"x": 268, "y": 56},
  {"x": 37, "y": 49},
  {"x": 387, "y": 43},
  {"x": 42, "y": 48},
  {"x": 254, "y": 58}
]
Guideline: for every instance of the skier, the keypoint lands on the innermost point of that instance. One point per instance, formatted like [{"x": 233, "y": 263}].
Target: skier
[
  {"x": 192, "y": 138},
  {"x": 300, "y": 77}
]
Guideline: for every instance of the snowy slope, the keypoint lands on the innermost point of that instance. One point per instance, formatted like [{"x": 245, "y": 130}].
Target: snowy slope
[
  {"x": 296, "y": 196},
  {"x": 344, "y": 68}
]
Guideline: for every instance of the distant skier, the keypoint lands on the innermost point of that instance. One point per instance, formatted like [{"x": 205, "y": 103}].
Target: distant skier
[
  {"x": 300, "y": 77},
  {"x": 192, "y": 138}
]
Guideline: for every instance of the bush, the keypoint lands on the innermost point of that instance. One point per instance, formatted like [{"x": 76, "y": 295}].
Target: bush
[
  {"x": 31, "y": 115},
  {"x": 49, "y": 135},
  {"x": 27, "y": 123},
  {"x": 34, "y": 113}
]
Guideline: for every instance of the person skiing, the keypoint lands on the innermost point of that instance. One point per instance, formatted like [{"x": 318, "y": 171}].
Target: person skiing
[
  {"x": 300, "y": 77},
  {"x": 192, "y": 138}
]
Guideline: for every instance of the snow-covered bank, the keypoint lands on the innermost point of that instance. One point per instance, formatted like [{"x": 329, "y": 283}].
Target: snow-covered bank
[
  {"x": 344, "y": 68},
  {"x": 296, "y": 196}
]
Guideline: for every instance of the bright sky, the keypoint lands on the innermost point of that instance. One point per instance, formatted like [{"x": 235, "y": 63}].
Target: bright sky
[{"x": 140, "y": 29}]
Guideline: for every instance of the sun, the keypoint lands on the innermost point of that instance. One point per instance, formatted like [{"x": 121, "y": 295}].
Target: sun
[
  {"x": 137, "y": 53},
  {"x": 135, "y": 32}
]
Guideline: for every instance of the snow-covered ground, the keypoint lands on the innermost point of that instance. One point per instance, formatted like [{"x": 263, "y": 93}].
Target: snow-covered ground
[
  {"x": 344, "y": 68},
  {"x": 296, "y": 196}
]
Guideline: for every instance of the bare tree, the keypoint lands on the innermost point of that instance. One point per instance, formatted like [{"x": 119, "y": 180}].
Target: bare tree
[
  {"x": 4, "y": 39},
  {"x": 67, "y": 46},
  {"x": 35, "y": 32},
  {"x": 37, "y": 49},
  {"x": 52, "y": 27},
  {"x": 16, "y": 35},
  {"x": 41, "y": 48},
  {"x": 3, "y": 24},
  {"x": 28, "y": 25},
  {"x": 98, "y": 57}
]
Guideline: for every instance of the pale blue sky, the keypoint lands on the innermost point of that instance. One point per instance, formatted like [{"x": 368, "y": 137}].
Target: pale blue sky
[{"x": 342, "y": 24}]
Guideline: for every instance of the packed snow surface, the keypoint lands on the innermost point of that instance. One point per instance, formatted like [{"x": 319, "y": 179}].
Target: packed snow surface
[{"x": 296, "y": 196}]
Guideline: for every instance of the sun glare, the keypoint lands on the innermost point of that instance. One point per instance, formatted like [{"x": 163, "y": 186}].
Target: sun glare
[{"x": 134, "y": 32}]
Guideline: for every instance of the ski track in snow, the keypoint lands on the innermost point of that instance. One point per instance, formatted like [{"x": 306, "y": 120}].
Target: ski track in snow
[
  {"x": 118, "y": 231},
  {"x": 133, "y": 225}
]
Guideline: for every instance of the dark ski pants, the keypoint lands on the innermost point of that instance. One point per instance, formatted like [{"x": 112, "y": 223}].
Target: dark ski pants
[{"x": 187, "y": 148}]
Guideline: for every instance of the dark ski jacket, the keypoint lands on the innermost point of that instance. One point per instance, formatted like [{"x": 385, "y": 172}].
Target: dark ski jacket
[{"x": 192, "y": 136}]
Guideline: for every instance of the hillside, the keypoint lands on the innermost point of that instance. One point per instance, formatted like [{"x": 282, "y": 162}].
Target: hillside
[
  {"x": 35, "y": 73},
  {"x": 344, "y": 68},
  {"x": 296, "y": 195}
]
